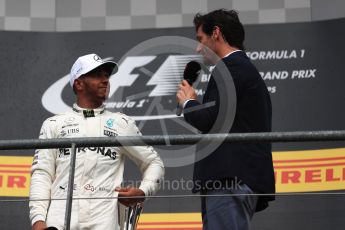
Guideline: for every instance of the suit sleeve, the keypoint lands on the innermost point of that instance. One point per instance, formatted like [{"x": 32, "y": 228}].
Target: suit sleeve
[
  {"x": 203, "y": 116},
  {"x": 42, "y": 176},
  {"x": 148, "y": 161}
]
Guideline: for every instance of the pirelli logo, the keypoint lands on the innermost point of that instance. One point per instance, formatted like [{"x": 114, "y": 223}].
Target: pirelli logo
[{"x": 312, "y": 170}]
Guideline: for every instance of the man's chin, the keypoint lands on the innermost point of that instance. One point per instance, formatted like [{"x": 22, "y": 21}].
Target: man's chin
[
  {"x": 207, "y": 62},
  {"x": 102, "y": 97}
]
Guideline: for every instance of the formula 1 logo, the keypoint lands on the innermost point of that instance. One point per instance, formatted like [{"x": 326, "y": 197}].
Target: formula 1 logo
[{"x": 163, "y": 82}]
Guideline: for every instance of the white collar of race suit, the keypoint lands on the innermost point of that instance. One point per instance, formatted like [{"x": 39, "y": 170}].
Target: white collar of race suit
[{"x": 88, "y": 112}]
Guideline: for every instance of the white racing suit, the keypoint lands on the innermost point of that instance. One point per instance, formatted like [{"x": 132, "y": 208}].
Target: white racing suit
[{"x": 99, "y": 170}]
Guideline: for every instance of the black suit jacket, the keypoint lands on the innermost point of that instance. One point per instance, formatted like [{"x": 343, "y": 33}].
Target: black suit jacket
[{"x": 249, "y": 162}]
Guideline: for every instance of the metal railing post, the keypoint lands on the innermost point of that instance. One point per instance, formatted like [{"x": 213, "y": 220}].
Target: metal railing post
[{"x": 70, "y": 187}]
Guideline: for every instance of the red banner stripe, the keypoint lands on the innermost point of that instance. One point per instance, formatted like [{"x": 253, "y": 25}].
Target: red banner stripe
[
  {"x": 170, "y": 223},
  {"x": 309, "y": 160},
  {"x": 13, "y": 171},
  {"x": 15, "y": 166},
  {"x": 195, "y": 228},
  {"x": 308, "y": 166}
]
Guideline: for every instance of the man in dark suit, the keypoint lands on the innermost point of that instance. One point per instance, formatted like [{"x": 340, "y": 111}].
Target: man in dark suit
[{"x": 241, "y": 169}]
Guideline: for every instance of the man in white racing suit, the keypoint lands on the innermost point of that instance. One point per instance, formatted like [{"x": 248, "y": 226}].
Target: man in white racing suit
[{"x": 99, "y": 170}]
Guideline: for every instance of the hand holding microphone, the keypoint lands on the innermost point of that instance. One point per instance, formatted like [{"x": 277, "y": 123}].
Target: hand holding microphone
[{"x": 186, "y": 91}]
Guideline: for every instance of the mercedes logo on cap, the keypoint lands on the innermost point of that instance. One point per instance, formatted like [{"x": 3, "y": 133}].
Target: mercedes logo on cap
[{"x": 97, "y": 58}]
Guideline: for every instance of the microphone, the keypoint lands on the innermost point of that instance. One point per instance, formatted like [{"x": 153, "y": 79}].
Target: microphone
[{"x": 190, "y": 74}]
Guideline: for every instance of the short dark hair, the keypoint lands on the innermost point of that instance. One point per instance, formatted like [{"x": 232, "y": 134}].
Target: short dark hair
[{"x": 228, "y": 23}]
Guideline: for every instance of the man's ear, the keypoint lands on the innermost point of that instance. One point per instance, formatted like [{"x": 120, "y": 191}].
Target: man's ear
[
  {"x": 216, "y": 34},
  {"x": 78, "y": 85}
]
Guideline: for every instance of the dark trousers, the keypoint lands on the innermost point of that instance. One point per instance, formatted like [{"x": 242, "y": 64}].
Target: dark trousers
[{"x": 228, "y": 208}]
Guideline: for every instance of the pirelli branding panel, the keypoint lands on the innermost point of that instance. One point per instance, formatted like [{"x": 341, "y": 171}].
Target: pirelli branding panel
[
  {"x": 190, "y": 221},
  {"x": 295, "y": 171},
  {"x": 15, "y": 176},
  {"x": 312, "y": 170}
]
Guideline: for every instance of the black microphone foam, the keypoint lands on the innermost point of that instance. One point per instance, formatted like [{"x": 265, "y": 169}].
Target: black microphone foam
[{"x": 191, "y": 72}]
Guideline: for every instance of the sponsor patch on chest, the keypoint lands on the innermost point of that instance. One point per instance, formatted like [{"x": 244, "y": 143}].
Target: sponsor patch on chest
[
  {"x": 104, "y": 151},
  {"x": 109, "y": 133}
]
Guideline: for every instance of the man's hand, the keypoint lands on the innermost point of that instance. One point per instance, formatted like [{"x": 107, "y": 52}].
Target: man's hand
[
  {"x": 125, "y": 195},
  {"x": 185, "y": 92},
  {"x": 39, "y": 225}
]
